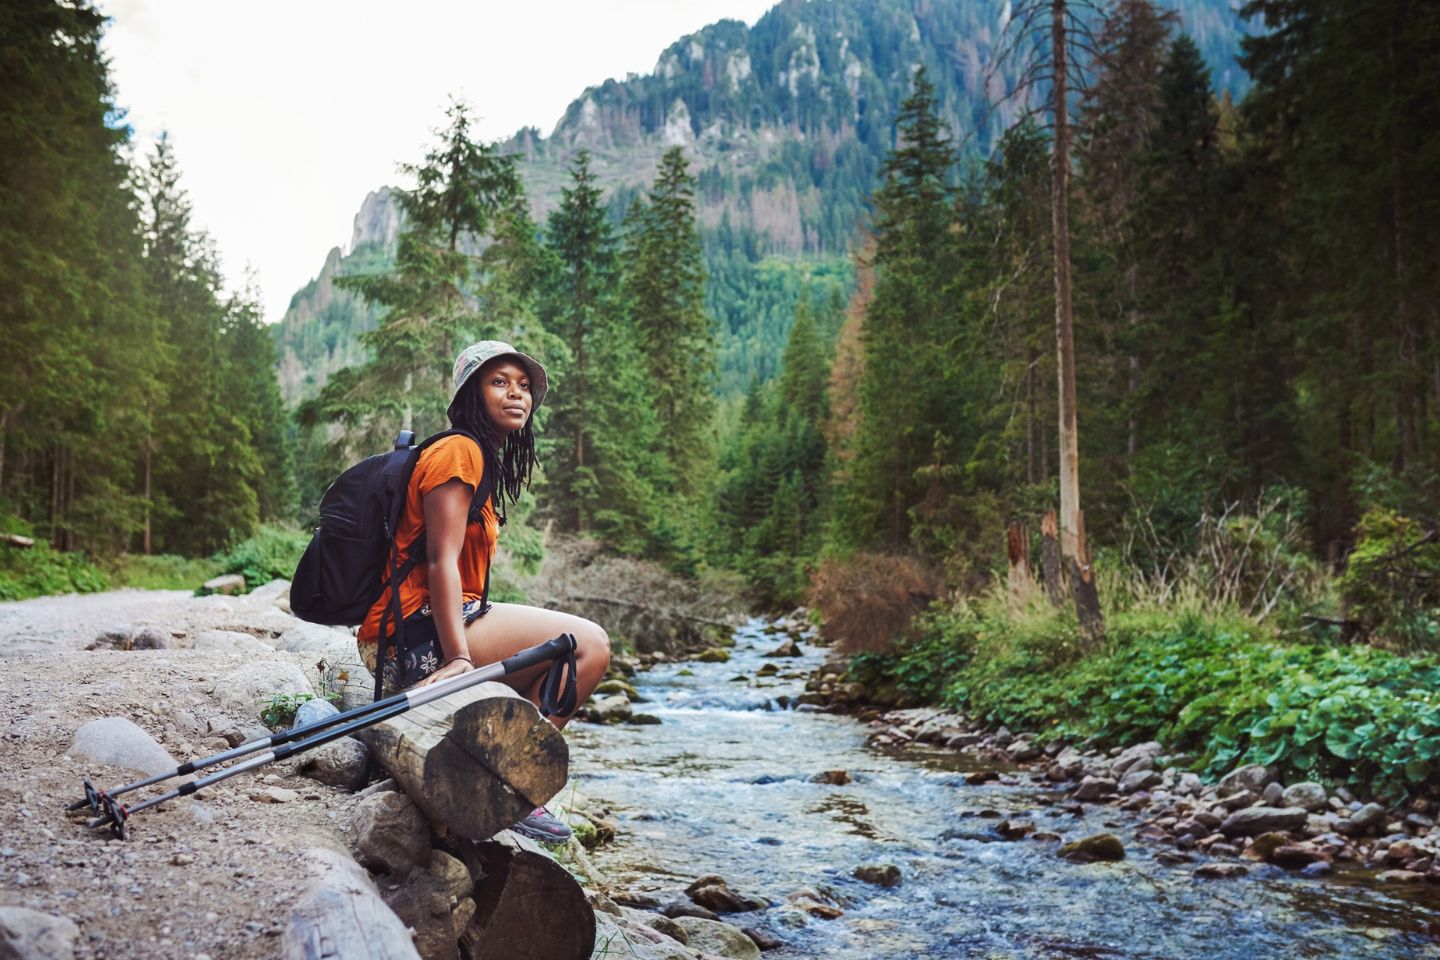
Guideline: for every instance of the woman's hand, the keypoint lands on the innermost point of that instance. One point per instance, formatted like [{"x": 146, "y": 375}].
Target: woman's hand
[{"x": 452, "y": 668}]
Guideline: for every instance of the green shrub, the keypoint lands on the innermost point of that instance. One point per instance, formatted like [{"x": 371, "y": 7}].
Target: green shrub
[
  {"x": 1225, "y": 690},
  {"x": 39, "y": 571},
  {"x": 1391, "y": 584},
  {"x": 269, "y": 555},
  {"x": 159, "y": 572}
]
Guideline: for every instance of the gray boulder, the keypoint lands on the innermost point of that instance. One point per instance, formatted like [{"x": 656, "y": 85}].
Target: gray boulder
[
  {"x": 312, "y": 638},
  {"x": 719, "y": 939},
  {"x": 1309, "y": 795},
  {"x": 389, "y": 833},
  {"x": 313, "y": 710},
  {"x": 340, "y": 763},
  {"x": 639, "y": 941},
  {"x": 612, "y": 709},
  {"x": 32, "y": 935},
  {"x": 246, "y": 689},
  {"x": 1252, "y": 821},
  {"x": 1252, "y": 777},
  {"x": 1093, "y": 788},
  {"x": 229, "y": 584},
  {"x": 230, "y": 641},
  {"x": 1137, "y": 780},
  {"x": 1130, "y": 756},
  {"x": 119, "y": 742},
  {"x": 1364, "y": 820}
]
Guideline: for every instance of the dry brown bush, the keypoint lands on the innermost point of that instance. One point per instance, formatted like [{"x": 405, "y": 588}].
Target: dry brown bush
[{"x": 867, "y": 600}]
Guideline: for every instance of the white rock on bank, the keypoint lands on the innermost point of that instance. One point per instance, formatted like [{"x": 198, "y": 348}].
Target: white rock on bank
[
  {"x": 244, "y": 691},
  {"x": 230, "y": 641},
  {"x": 32, "y": 935},
  {"x": 119, "y": 742}
]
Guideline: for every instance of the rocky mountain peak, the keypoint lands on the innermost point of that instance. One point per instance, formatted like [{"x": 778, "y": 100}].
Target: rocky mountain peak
[{"x": 378, "y": 221}]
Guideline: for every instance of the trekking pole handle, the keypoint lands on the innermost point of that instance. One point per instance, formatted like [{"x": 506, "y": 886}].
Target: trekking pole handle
[{"x": 561, "y": 646}]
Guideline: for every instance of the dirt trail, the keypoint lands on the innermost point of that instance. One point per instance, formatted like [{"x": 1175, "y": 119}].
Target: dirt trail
[{"x": 208, "y": 878}]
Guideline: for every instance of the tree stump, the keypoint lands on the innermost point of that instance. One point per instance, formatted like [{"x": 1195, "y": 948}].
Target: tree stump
[
  {"x": 474, "y": 762},
  {"x": 1050, "y": 558},
  {"x": 527, "y": 906}
]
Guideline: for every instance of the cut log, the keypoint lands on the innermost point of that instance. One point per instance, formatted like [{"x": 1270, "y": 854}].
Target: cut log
[
  {"x": 527, "y": 906},
  {"x": 341, "y": 916},
  {"x": 16, "y": 540},
  {"x": 474, "y": 762}
]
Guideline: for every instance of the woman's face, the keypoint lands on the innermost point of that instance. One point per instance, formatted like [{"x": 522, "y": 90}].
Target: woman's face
[{"x": 505, "y": 385}]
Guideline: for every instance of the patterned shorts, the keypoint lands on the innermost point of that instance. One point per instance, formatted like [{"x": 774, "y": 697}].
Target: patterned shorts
[{"x": 422, "y": 655}]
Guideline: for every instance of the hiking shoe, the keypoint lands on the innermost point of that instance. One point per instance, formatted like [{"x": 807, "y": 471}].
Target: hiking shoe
[{"x": 542, "y": 827}]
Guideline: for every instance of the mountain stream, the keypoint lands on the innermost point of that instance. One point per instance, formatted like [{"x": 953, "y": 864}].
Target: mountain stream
[{"x": 725, "y": 785}]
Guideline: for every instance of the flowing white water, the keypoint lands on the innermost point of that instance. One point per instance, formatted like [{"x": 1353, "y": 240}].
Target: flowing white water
[{"x": 724, "y": 785}]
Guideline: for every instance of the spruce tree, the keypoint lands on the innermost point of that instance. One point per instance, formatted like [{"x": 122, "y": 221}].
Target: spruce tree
[{"x": 665, "y": 295}]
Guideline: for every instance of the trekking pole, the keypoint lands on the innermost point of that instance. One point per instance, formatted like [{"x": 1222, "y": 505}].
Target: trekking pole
[{"x": 287, "y": 743}]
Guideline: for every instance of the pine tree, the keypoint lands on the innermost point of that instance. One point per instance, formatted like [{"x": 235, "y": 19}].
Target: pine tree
[{"x": 664, "y": 293}]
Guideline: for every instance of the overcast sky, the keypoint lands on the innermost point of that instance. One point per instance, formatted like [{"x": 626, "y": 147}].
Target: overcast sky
[{"x": 285, "y": 114}]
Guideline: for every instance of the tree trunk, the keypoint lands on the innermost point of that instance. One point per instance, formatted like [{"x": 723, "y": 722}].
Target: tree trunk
[
  {"x": 1072, "y": 545},
  {"x": 1032, "y": 358},
  {"x": 527, "y": 906},
  {"x": 1050, "y": 559},
  {"x": 476, "y": 761},
  {"x": 149, "y": 458},
  {"x": 1017, "y": 543}
]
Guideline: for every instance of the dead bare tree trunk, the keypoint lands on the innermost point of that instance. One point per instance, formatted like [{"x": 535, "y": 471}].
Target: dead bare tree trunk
[
  {"x": 1072, "y": 531},
  {"x": 1050, "y": 559}
]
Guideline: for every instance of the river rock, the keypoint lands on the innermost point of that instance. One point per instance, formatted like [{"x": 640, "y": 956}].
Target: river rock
[
  {"x": 32, "y": 935},
  {"x": 612, "y": 709},
  {"x": 718, "y": 939},
  {"x": 1094, "y": 788},
  {"x": 119, "y": 742},
  {"x": 1102, "y": 846},
  {"x": 1400, "y": 876},
  {"x": 339, "y": 763},
  {"x": 675, "y": 909},
  {"x": 637, "y": 940},
  {"x": 764, "y": 939},
  {"x": 880, "y": 874},
  {"x": 1308, "y": 794},
  {"x": 1252, "y": 777},
  {"x": 713, "y": 893},
  {"x": 713, "y": 655},
  {"x": 1297, "y": 856},
  {"x": 1361, "y": 821},
  {"x": 614, "y": 685},
  {"x": 245, "y": 690},
  {"x": 388, "y": 833},
  {"x": 1022, "y": 750},
  {"x": 1273, "y": 794},
  {"x": 1256, "y": 820},
  {"x": 767, "y": 670},
  {"x": 1219, "y": 871},
  {"x": 1265, "y": 845},
  {"x": 834, "y": 778},
  {"x": 1137, "y": 780},
  {"x": 229, "y": 641},
  {"x": 1190, "y": 785},
  {"x": 228, "y": 584},
  {"x": 787, "y": 649},
  {"x": 1128, "y": 758}
]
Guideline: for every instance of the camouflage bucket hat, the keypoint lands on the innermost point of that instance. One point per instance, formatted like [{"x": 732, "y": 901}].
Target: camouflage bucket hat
[{"x": 475, "y": 356}]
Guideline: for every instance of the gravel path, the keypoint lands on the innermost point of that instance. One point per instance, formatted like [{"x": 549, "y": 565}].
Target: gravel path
[{"x": 198, "y": 878}]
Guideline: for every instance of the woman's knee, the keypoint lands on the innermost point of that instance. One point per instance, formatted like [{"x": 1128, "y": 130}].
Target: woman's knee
[{"x": 594, "y": 644}]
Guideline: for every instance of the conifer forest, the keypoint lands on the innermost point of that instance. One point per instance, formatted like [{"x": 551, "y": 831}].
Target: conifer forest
[{"x": 1108, "y": 404}]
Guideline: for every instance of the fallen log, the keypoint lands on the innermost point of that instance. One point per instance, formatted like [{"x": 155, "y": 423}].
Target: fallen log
[
  {"x": 474, "y": 762},
  {"x": 527, "y": 906},
  {"x": 341, "y": 916}
]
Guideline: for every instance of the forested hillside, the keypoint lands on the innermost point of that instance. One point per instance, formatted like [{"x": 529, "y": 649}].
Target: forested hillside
[{"x": 786, "y": 125}]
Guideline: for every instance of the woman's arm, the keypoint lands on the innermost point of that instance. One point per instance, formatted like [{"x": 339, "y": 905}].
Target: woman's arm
[{"x": 447, "y": 509}]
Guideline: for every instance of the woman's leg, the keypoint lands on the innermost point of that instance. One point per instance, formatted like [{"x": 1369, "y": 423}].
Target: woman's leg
[{"x": 509, "y": 628}]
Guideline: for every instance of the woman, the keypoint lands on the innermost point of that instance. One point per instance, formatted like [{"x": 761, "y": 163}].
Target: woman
[{"x": 448, "y": 629}]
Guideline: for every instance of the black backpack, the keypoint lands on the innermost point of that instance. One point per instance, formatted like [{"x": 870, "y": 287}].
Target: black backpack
[{"x": 352, "y": 556}]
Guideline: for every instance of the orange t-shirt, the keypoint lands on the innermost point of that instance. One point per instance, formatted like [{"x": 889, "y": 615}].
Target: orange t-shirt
[{"x": 448, "y": 459}]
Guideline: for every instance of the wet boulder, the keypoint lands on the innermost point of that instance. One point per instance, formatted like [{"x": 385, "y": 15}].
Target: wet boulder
[
  {"x": 1094, "y": 788},
  {"x": 718, "y": 939},
  {"x": 787, "y": 649},
  {"x": 1251, "y": 821},
  {"x": 713, "y": 893},
  {"x": 879, "y": 874},
  {"x": 1101, "y": 846}
]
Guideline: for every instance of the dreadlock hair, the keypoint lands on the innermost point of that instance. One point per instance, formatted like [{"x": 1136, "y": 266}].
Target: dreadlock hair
[{"x": 514, "y": 454}]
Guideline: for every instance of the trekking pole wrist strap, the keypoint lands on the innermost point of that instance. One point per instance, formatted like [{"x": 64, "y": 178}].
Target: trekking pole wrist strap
[{"x": 558, "y": 691}]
